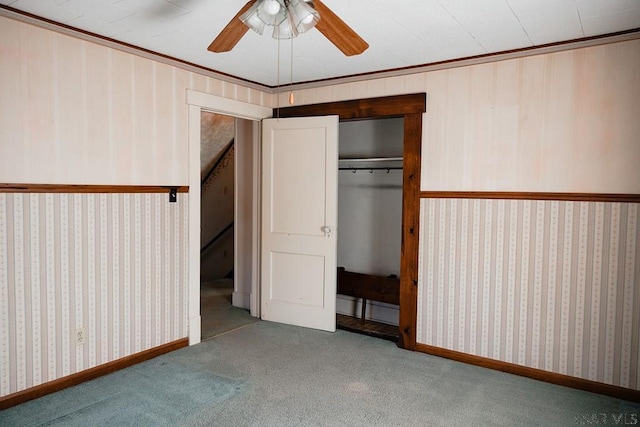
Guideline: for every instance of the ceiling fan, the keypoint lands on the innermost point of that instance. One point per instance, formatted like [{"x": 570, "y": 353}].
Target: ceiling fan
[{"x": 327, "y": 22}]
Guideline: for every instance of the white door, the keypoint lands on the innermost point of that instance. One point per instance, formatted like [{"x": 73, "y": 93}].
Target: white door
[{"x": 299, "y": 215}]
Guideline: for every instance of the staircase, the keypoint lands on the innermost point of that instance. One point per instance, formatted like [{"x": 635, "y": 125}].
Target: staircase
[{"x": 217, "y": 213}]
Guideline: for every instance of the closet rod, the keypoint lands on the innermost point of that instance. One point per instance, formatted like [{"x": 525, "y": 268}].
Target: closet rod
[
  {"x": 381, "y": 168},
  {"x": 373, "y": 159}
]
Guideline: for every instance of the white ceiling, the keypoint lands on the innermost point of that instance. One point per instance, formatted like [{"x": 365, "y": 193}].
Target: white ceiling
[{"x": 401, "y": 33}]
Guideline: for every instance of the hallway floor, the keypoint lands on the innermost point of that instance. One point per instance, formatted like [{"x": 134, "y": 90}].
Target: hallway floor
[{"x": 218, "y": 315}]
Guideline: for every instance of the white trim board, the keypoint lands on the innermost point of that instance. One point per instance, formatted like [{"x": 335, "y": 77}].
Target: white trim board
[{"x": 376, "y": 311}]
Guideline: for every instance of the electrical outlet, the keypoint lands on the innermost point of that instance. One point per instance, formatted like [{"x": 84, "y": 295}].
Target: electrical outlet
[{"x": 81, "y": 336}]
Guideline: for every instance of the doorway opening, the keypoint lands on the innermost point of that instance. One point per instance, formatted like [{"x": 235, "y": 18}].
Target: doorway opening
[{"x": 218, "y": 231}]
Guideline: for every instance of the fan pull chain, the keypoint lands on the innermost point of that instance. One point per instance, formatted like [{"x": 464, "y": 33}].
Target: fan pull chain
[
  {"x": 278, "y": 83},
  {"x": 291, "y": 100}
]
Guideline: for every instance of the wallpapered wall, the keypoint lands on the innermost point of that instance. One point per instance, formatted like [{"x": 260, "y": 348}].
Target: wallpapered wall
[
  {"x": 562, "y": 122},
  {"x": 74, "y": 112},
  {"x": 545, "y": 284},
  {"x": 113, "y": 264},
  {"x": 555, "y": 122}
]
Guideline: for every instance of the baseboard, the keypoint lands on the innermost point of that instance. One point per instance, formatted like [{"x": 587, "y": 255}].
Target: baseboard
[
  {"x": 537, "y": 374},
  {"x": 241, "y": 299},
  {"x": 376, "y": 311},
  {"x": 88, "y": 374},
  {"x": 195, "y": 329}
]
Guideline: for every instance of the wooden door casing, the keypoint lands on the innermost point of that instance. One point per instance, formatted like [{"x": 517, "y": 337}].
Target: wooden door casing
[{"x": 410, "y": 107}]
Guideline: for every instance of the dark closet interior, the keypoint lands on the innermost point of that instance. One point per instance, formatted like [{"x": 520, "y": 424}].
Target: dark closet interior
[{"x": 370, "y": 226}]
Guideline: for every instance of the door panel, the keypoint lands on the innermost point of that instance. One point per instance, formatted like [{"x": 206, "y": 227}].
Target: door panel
[
  {"x": 299, "y": 215},
  {"x": 299, "y": 153},
  {"x": 285, "y": 280}
]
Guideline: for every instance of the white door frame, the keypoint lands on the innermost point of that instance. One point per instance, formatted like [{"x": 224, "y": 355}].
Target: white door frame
[{"x": 199, "y": 102}]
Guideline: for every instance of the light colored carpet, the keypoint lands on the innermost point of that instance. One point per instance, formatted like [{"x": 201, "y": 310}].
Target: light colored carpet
[
  {"x": 158, "y": 392},
  {"x": 267, "y": 374},
  {"x": 301, "y": 377},
  {"x": 218, "y": 315}
]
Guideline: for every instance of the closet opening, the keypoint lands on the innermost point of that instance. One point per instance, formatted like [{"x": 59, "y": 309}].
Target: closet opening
[{"x": 369, "y": 231}]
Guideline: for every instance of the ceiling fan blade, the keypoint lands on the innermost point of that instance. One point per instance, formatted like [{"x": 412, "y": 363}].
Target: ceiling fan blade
[
  {"x": 232, "y": 33},
  {"x": 338, "y": 32}
]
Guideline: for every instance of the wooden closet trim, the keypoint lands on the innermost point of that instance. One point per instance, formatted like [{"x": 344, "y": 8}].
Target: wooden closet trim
[
  {"x": 567, "y": 197},
  {"x": 368, "y": 108},
  {"x": 410, "y": 107},
  {"x": 65, "y": 188}
]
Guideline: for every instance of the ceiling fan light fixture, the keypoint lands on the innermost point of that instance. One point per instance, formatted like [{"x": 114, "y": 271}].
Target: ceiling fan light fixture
[
  {"x": 286, "y": 30},
  {"x": 271, "y": 7},
  {"x": 251, "y": 19},
  {"x": 272, "y": 12},
  {"x": 287, "y": 17},
  {"x": 302, "y": 14}
]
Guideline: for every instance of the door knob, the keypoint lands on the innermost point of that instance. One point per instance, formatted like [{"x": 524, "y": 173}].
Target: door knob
[{"x": 326, "y": 230}]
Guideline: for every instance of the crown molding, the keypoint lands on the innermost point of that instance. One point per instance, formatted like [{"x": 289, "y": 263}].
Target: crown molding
[
  {"x": 611, "y": 38},
  {"x": 88, "y": 36},
  {"x": 28, "y": 18}
]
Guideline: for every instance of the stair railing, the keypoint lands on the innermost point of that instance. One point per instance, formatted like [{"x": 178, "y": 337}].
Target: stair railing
[
  {"x": 216, "y": 237},
  {"x": 218, "y": 162}
]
